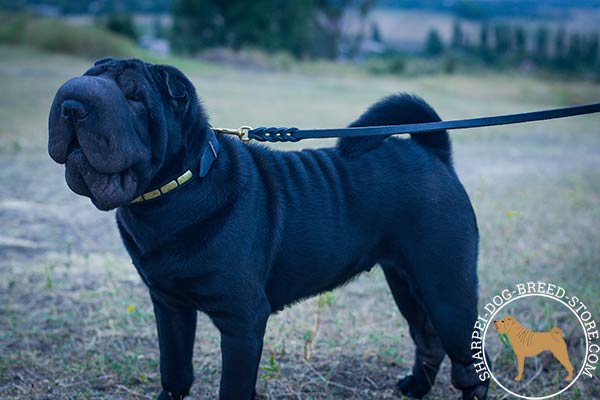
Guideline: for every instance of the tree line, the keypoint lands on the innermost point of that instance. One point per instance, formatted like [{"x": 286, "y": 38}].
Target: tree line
[
  {"x": 505, "y": 44},
  {"x": 303, "y": 28}
]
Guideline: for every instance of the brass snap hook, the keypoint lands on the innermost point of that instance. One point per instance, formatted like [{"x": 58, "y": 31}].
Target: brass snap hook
[{"x": 241, "y": 132}]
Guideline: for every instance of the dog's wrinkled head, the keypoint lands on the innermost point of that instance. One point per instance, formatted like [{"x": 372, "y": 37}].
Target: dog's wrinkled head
[
  {"x": 505, "y": 324},
  {"x": 121, "y": 126}
]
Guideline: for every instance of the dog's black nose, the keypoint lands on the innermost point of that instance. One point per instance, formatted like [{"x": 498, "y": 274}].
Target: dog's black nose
[{"x": 73, "y": 110}]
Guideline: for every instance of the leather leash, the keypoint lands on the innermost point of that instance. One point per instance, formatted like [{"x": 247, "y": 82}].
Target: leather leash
[{"x": 292, "y": 134}]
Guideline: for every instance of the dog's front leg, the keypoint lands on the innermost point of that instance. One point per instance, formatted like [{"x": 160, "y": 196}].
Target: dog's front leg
[
  {"x": 176, "y": 331},
  {"x": 520, "y": 366},
  {"x": 241, "y": 348}
]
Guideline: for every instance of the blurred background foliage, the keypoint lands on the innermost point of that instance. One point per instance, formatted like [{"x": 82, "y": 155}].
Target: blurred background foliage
[{"x": 552, "y": 37}]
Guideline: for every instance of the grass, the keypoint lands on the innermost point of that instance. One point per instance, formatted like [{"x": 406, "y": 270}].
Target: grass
[
  {"x": 54, "y": 35},
  {"x": 76, "y": 321}
]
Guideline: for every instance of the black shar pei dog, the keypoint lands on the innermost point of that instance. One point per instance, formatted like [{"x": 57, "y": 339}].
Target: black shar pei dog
[{"x": 240, "y": 231}]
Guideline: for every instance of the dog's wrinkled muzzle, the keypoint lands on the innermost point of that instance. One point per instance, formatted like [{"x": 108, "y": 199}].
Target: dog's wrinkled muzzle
[{"x": 91, "y": 131}]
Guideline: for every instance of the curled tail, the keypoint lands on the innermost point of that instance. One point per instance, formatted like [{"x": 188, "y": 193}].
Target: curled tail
[
  {"x": 556, "y": 332},
  {"x": 398, "y": 109}
]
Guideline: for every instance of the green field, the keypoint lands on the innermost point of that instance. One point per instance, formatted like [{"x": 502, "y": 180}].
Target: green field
[{"x": 76, "y": 321}]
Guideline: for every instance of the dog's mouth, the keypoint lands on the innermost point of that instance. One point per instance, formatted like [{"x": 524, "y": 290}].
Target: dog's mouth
[
  {"x": 106, "y": 190},
  {"x": 73, "y": 146}
]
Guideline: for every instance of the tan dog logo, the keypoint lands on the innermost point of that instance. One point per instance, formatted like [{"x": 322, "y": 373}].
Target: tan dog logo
[{"x": 527, "y": 343}]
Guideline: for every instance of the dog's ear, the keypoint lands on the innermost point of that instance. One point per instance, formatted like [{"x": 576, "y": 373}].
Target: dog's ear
[
  {"x": 176, "y": 88},
  {"x": 175, "y": 83},
  {"x": 103, "y": 61}
]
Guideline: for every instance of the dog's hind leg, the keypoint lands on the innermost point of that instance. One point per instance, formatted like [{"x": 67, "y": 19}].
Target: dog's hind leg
[
  {"x": 445, "y": 269},
  {"x": 453, "y": 312},
  {"x": 563, "y": 357},
  {"x": 429, "y": 353}
]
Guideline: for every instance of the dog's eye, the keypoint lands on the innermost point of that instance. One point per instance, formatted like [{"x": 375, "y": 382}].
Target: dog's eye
[
  {"x": 133, "y": 95},
  {"x": 130, "y": 90}
]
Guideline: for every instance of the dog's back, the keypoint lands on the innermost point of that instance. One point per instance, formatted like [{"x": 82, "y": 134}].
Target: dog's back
[
  {"x": 530, "y": 343},
  {"x": 366, "y": 199}
]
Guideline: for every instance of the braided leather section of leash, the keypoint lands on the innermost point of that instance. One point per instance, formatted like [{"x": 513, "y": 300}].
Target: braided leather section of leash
[{"x": 273, "y": 134}]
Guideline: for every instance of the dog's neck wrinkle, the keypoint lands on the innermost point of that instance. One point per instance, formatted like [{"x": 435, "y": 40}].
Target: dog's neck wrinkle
[
  {"x": 185, "y": 157},
  {"x": 182, "y": 164},
  {"x": 169, "y": 171},
  {"x": 522, "y": 333},
  {"x": 154, "y": 222},
  {"x": 517, "y": 330}
]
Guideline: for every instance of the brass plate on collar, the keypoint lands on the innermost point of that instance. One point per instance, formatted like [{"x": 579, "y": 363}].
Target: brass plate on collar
[
  {"x": 185, "y": 177},
  {"x": 151, "y": 195},
  {"x": 169, "y": 186}
]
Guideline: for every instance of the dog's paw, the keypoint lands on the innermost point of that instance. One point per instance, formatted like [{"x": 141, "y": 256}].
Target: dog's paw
[
  {"x": 164, "y": 395},
  {"x": 258, "y": 396},
  {"x": 410, "y": 386},
  {"x": 478, "y": 392}
]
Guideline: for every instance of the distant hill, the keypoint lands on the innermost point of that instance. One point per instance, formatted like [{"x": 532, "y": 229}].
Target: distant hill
[
  {"x": 481, "y": 9},
  {"x": 94, "y": 6},
  {"x": 471, "y": 9}
]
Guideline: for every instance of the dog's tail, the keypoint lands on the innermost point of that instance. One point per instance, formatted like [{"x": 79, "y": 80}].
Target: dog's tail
[
  {"x": 398, "y": 109},
  {"x": 556, "y": 332}
]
